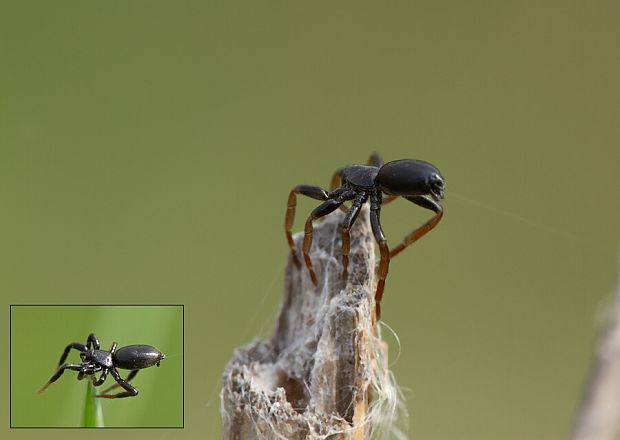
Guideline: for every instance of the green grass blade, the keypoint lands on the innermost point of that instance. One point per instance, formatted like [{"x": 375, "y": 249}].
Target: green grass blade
[{"x": 93, "y": 414}]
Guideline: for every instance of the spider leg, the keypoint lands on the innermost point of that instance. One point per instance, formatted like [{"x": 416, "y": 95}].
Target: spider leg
[
  {"x": 424, "y": 202},
  {"x": 130, "y": 376},
  {"x": 61, "y": 369},
  {"x": 88, "y": 370},
  {"x": 384, "y": 264},
  {"x": 93, "y": 342},
  {"x": 375, "y": 160},
  {"x": 101, "y": 379},
  {"x": 348, "y": 221},
  {"x": 65, "y": 353},
  {"x": 327, "y": 207},
  {"x": 336, "y": 181},
  {"x": 315, "y": 192},
  {"x": 129, "y": 390},
  {"x": 388, "y": 199},
  {"x": 336, "y": 186}
]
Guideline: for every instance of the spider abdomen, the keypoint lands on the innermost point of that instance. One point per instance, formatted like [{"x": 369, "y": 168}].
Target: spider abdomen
[
  {"x": 408, "y": 177},
  {"x": 136, "y": 357}
]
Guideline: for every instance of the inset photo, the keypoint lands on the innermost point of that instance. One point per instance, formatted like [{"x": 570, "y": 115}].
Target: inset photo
[{"x": 97, "y": 366}]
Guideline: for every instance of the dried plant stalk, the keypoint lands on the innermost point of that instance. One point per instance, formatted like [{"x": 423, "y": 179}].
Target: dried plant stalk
[
  {"x": 324, "y": 372},
  {"x": 599, "y": 414}
]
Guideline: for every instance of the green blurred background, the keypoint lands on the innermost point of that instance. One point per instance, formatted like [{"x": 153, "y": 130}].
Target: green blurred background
[
  {"x": 148, "y": 147},
  {"x": 39, "y": 335}
]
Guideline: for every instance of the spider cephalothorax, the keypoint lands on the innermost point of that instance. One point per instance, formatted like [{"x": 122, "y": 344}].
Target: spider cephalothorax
[{"x": 415, "y": 180}]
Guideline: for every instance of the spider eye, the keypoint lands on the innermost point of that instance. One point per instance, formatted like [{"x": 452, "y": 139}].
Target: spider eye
[
  {"x": 436, "y": 180},
  {"x": 437, "y": 186}
]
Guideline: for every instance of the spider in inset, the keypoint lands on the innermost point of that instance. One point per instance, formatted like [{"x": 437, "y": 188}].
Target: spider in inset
[
  {"x": 94, "y": 360},
  {"x": 415, "y": 180}
]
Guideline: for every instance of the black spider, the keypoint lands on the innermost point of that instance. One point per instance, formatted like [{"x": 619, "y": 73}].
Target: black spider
[
  {"x": 415, "y": 180},
  {"x": 94, "y": 360}
]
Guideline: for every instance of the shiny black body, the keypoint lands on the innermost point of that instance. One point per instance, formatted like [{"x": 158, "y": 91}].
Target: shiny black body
[
  {"x": 410, "y": 177},
  {"x": 95, "y": 360},
  {"x": 414, "y": 180},
  {"x": 137, "y": 357}
]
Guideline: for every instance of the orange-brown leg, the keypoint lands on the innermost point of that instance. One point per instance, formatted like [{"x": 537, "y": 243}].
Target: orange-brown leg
[
  {"x": 336, "y": 181},
  {"x": 384, "y": 263},
  {"x": 375, "y": 160},
  {"x": 323, "y": 209},
  {"x": 336, "y": 185},
  {"x": 389, "y": 199},
  {"x": 346, "y": 236},
  {"x": 315, "y": 192},
  {"x": 428, "y": 203}
]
